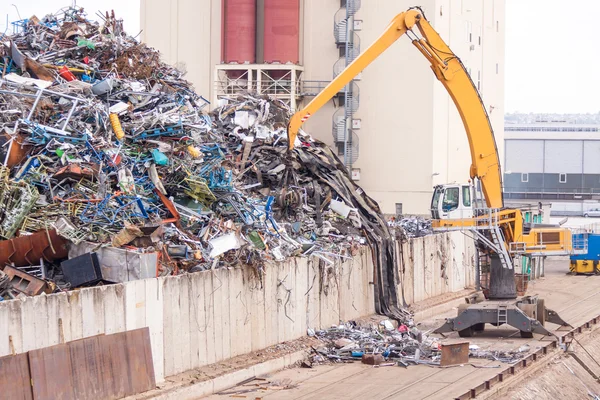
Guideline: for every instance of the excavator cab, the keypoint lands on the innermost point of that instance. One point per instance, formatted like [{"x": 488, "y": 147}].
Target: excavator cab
[{"x": 452, "y": 201}]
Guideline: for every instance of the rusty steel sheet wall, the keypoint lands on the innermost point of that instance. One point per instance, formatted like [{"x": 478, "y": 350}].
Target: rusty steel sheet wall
[
  {"x": 201, "y": 318},
  {"x": 99, "y": 367},
  {"x": 15, "y": 381}
]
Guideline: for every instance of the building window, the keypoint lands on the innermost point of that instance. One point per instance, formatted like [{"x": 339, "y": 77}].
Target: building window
[
  {"x": 479, "y": 80},
  {"x": 497, "y": 68},
  {"x": 525, "y": 177},
  {"x": 497, "y": 26},
  {"x": 469, "y": 31},
  {"x": 562, "y": 178}
]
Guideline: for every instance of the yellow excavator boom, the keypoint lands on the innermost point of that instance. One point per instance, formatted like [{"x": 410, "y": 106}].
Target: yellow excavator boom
[{"x": 448, "y": 68}]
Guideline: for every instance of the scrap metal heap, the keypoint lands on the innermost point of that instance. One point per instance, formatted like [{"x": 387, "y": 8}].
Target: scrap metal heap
[
  {"x": 107, "y": 148},
  {"x": 411, "y": 227},
  {"x": 386, "y": 345}
]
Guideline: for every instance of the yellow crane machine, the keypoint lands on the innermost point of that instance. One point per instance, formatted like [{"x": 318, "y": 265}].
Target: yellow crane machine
[{"x": 477, "y": 207}]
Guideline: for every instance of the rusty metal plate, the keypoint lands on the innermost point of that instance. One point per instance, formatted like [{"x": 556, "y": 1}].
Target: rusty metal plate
[
  {"x": 126, "y": 362},
  {"x": 455, "y": 353},
  {"x": 27, "y": 250},
  {"x": 99, "y": 367},
  {"x": 114, "y": 364},
  {"x": 22, "y": 282},
  {"x": 141, "y": 368},
  {"x": 51, "y": 373},
  {"x": 15, "y": 381},
  {"x": 18, "y": 151},
  {"x": 89, "y": 376}
]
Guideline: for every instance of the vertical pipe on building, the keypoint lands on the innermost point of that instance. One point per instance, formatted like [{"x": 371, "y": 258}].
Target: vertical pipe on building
[
  {"x": 582, "y": 165},
  {"x": 260, "y": 31},
  {"x": 543, "y": 166},
  {"x": 301, "y": 21},
  {"x": 223, "y": 30}
]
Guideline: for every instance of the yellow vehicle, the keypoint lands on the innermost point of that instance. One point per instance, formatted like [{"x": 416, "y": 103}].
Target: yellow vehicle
[
  {"x": 500, "y": 233},
  {"x": 584, "y": 267}
]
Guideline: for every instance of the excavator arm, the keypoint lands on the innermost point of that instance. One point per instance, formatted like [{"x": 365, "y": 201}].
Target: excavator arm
[{"x": 448, "y": 68}]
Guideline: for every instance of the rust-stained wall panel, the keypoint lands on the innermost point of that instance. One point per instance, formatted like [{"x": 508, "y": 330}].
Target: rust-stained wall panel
[
  {"x": 15, "y": 382},
  {"x": 51, "y": 373},
  {"x": 89, "y": 377},
  {"x": 141, "y": 368},
  {"x": 114, "y": 364},
  {"x": 100, "y": 367}
]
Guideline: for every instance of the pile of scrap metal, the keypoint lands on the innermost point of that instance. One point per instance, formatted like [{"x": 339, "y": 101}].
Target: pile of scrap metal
[
  {"x": 112, "y": 163},
  {"x": 411, "y": 227},
  {"x": 350, "y": 342},
  {"x": 384, "y": 344}
]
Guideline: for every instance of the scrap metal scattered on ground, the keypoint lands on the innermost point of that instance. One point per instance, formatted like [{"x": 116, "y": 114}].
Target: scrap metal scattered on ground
[
  {"x": 114, "y": 170},
  {"x": 387, "y": 345}
]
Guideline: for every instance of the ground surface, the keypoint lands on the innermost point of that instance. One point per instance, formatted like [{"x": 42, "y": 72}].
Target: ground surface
[{"x": 574, "y": 297}]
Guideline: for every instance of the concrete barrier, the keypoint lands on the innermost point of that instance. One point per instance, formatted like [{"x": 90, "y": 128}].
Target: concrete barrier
[
  {"x": 202, "y": 318},
  {"x": 435, "y": 265}
]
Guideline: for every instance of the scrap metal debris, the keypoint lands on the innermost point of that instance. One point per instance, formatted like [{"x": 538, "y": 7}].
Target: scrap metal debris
[
  {"x": 384, "y": 344},
  {"x": 256, "y": 384},
  {"x": 107, "y": 147},
  {"x": 509, "y": 357},
  {"x": 411, "y": 227},
  {"x": 374, "y": 343}
]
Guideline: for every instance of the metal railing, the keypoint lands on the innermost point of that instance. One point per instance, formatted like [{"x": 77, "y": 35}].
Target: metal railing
[
  {"x": 588, "y": 228},
  {"x": 579, "y": 244},
  {"x": 267, "y": 85},
  {"x": 312, "y": 88}
]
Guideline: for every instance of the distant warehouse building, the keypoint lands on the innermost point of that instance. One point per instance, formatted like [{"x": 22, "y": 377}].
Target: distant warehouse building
[{"x": 552, "y": 161}]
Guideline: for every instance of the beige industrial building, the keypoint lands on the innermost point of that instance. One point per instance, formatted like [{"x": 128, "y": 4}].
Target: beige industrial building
[{"x": 403, "y": 135}]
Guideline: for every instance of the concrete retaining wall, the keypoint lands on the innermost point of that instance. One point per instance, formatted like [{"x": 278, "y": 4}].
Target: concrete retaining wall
[
  {"x": 206, "y": 317},
  {"x": 436, "y": 265}
]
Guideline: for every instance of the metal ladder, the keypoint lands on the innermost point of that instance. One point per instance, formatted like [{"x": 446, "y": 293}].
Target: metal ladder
[
  {"x": 502, "y": 314},
  {"x": 498, "y": 240},
  {"x": 484, "y": 265},
  {"x": 495, "y": 240}
]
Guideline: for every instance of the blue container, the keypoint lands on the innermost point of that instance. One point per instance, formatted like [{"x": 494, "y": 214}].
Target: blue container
[{"x": 593, "y": 252}]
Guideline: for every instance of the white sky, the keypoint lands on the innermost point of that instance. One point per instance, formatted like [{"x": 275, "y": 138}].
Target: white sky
[
  {"x": 552, "y": 56},
  {"x": 129, "y": 10},
  {"x": 552, "y": 51}
]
